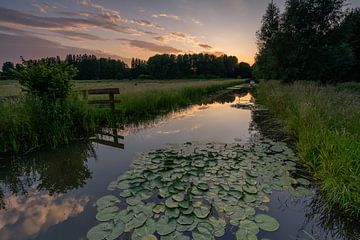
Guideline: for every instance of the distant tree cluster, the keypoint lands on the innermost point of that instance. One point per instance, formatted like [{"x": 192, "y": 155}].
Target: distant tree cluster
[
  {"x": 90, "y": 67},
  {"x": 311, "y": 40},
  {"x": 163, "y": 66},
  {"x": 167, "y": 66}
]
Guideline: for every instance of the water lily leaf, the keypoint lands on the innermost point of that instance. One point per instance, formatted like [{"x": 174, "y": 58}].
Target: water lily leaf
[
  {"x": 139, "y": 220},
  {"x": 165, "y": 226},
  {"x": 172, "y": 212},
  {"x": 303, "y": 191},
  {"x": 178, "y": 197},
  {"x": 99, "y": 232},
  {"x": 132, "y": 201},
  {"x": 106, "y": 201},
  {"x": 201, "y": 236},
  {"x": 175, "y": 236},
  {"x": 107, "y": 214},
  {"x": 149, "y": 237},
  {"x": 185, "y": 220},
  {"x": 250, "y": 189},
  {"x": 267, "y": 223},
  {"x": 201, "y": 212},
  {"x": 159, "y": 208},
  {"x": 203, "y": 186},
  {"x": 145, "y": 194},
  {"x": 126, "y": 193},
  {"x": 303, "y": 181},
  {"x": 117, "y": 230},
  {"x": 147, "y": 229},
  {"x": 170, "y": 203}
]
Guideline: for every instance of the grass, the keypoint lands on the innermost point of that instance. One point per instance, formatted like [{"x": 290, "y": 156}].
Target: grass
[
  {"x": 12, "y": 87},
  {"x": 325, "y": 122},
  {"x": 26, "y": 124}
]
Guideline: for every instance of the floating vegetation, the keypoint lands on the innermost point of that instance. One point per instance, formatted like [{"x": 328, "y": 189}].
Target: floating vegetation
[{"x": 196, "y": 190}]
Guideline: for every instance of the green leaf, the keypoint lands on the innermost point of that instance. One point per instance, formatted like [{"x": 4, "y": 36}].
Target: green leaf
[
  {"x": 266, "y": 222},
  {"x": 165, "y": 226},
  {"x": 107, "y": 201},
  {"x": 107, "y": 214},
  {"x": 99, "y": 232},
  {"x": 116, "y": 231},
  {"x": 201, "y": 212},
  {"x": 171, "y": 203},
  {"x": 185, "y": 220}
]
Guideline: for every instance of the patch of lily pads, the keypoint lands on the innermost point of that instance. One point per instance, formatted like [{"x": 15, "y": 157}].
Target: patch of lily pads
[{"x": 196, "y": 190}]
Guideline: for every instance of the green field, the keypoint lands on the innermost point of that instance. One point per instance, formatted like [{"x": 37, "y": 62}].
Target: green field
[{"x": 12, "y": 87}]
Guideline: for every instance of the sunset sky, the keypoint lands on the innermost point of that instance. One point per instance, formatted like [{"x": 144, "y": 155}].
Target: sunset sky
[{"x": 130, "y": 28}]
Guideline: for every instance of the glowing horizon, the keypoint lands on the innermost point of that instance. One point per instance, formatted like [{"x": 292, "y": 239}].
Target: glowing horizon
[{"x": 126, "y": 29}]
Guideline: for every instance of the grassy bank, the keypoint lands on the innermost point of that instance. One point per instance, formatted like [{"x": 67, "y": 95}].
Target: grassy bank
[
  {"x": 13, "y": 88},
  {"x": 26, "y": 124},
  {"x": 325, "y": 122}
]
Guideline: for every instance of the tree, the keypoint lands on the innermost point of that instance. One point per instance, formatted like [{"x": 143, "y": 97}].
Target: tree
[
  {"x": 266, "y": 66},
  {"x": 244, "y": 70},
  {"x": 7, "y": 70}
]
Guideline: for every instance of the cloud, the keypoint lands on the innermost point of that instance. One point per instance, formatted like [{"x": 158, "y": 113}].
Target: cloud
[
  {"x": 146, "y": 23},
  {"x": 115, "y": 17},
  {"x": 64, "y": 23},
  {"x": 197, "y": 22},
  {"x": 37, "y": 212},
  {"x": 149, "y": 46},
  {"x": 166, "y": 15},
  {"x": 216, "y": 53},
  {"x": 72, "y": 35},
  {"x": 43, "y": 7},
  {"x": 206, "y": 46},
  {"x": 176, "y": 36},
  {"x": 32, "y": 47}
]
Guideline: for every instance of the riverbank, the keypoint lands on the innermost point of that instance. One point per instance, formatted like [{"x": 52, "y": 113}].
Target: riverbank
[
  {"x": 325, "y": 123},
  {"x": 24, "y": 126}
]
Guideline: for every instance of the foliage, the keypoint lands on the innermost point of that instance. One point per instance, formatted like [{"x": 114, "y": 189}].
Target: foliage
[
  {"x": 7, "y": 70},
  {"x": 46, "y": 81},
  {"x": 90, "y": 67},
  {"x": 199, "y": 189},
  {"x": 310, "y": 40},
  {"x": 325, "y": 122}
]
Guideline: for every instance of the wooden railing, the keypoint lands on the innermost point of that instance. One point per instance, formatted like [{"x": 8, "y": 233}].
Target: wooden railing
[{"x": 110, "y": 91}]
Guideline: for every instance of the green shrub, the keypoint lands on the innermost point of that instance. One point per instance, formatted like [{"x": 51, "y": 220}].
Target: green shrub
[{"x": 46, "y": 81}]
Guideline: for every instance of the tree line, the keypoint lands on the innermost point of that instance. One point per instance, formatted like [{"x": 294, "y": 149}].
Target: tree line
[
  {"x": 165, "y": 66},
  {"x": 311, "y": 40}
]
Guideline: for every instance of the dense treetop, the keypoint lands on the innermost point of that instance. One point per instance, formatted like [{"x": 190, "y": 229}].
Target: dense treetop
[{"x": 311, "y": 40}]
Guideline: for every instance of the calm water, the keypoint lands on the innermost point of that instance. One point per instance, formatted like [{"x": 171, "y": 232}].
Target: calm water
[{"x": 50, "y": 194}]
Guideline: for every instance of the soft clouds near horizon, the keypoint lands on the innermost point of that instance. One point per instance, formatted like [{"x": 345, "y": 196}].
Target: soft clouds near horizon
[{"x": 126, "y": 29}]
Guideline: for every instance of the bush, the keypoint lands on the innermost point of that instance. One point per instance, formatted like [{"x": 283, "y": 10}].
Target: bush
[{"x": 46, "y": 81}]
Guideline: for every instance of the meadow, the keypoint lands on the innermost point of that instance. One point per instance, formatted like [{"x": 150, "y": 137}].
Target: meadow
[
  {"x": 13, "y": 88},
  {"x": 325, "y": 122}
]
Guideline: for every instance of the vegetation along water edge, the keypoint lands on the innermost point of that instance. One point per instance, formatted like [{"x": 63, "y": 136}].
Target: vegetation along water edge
[
  {"x": 51, "y": 113},
  {"x": 325, "y": 122}
]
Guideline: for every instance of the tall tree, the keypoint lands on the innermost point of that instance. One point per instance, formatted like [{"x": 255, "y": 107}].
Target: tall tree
[{"x": 7, "y": 70}]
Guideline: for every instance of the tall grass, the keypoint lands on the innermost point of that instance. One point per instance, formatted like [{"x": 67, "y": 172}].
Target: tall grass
[
  {"x": 25, "y": 123},
  {"x": 151, "y": 103},
  {"x": 325, "y": 121}
]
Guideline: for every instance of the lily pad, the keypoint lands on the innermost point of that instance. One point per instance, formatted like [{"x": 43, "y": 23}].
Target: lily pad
[
  {"x": 165, "y": 226},
  {"x": 201, "y": 212},
  {"x": 267, "y": 223}
]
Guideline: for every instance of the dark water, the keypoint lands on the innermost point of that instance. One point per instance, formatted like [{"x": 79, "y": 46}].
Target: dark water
[{"x": 50, "y": 194}]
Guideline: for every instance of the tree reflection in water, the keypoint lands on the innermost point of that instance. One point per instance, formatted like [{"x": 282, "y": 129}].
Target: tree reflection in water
[{"x": 52, "y": 170}]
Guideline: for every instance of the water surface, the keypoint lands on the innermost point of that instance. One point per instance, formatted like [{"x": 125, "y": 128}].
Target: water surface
[{"x": 50, "y": 194}]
